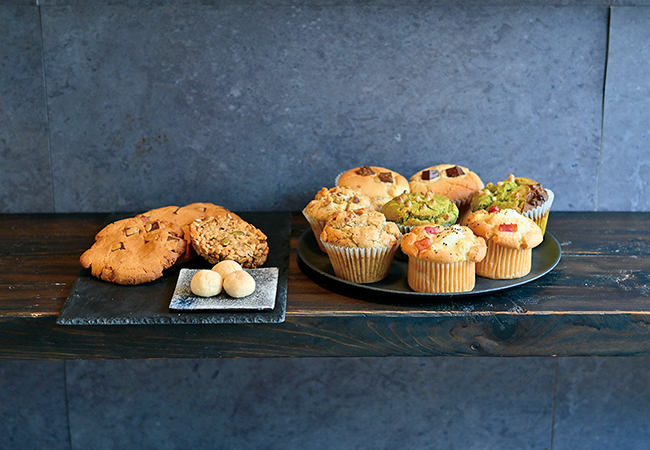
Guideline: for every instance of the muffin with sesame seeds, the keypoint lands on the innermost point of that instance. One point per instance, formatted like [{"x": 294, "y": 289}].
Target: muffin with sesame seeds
[{"x": 442, "y": 259}]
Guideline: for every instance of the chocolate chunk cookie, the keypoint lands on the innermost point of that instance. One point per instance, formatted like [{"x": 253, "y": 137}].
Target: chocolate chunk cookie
[
  {"x": 134, "y": 250},
  {"x": 228, "y": 237}
]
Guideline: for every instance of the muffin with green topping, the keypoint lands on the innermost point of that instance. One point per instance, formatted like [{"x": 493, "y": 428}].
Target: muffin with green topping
[
  {"x": 524, "y": 195},
  {"x": 412, "y": 209}
]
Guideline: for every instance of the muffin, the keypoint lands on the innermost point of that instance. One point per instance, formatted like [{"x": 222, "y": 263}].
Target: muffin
[
  {"x": 410, "y": 209},
  {"x": 380, "y": 184},
  {"x": 442, "y": 259},
  {"x": 328, "y": 201},
  {"x": 524, "y": 195},
  {"x": 510, "y": 239},
  {"x": 457, "y": 183},
  {"x": 360, "y": 244}
]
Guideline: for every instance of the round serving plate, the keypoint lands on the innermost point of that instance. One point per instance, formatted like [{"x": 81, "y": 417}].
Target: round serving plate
[{"x": 545, "y": 258}]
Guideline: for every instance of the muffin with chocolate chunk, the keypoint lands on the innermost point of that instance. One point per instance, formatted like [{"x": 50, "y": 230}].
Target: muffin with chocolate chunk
[
  {"x": 524, "y": 195},
  {"x": 457, "y": 183},
  {"x": 332, "y": 200},
  {"x": 510, "y": 239},
  {"x": 412, "y": 209},
  {"x": 442, "y": 259},
  {"x": 361, "y": 244},
  {"x": 378, "y": 183}
]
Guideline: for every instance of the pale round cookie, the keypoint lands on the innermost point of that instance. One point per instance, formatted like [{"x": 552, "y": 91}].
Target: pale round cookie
[
  {"x": 239, "y": 284},
  {"x": 206, "y": 283},
  {"x": 226, "y": 266}
]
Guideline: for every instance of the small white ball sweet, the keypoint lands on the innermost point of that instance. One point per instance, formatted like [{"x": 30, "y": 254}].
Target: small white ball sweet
[
  {"x": 226, "y": 266},
  {"x": 206, "y": 283},
  {"x": 239, "y": 284}
]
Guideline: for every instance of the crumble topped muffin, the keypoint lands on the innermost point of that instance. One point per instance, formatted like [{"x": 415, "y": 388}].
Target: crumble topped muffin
[
  {"x": 332, "y": 200},
  {"x": 361, "y": 244}
]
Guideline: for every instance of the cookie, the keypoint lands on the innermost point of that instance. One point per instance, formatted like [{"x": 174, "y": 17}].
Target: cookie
[
  {"x": 134, "y": 250},
  {"x": 206, "y": 283},
  {"x": 239, "y": 284},
  {"x": 184, "y": 216},
  {"x": 229, "y": 237}
]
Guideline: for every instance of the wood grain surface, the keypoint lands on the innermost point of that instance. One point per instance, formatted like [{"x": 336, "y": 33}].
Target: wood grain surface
[{"x": 595, "y": 302}]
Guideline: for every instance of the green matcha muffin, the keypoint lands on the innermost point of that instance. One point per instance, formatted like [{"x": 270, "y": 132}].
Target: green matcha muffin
[
  {"x": 524, "y": 195},
  {"x": 412, "y": 209}
]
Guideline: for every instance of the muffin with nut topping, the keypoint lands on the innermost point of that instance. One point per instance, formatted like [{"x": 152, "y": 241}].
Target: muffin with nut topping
[
  {"x": 522, "y": 194},
  {"x": 412, "y": 209},
  {"x": 332, "y": 200},
  {"x": 510, "y": 239},
  {"x": 361, "y": 244},
  {"x": 442, "y": 259}
]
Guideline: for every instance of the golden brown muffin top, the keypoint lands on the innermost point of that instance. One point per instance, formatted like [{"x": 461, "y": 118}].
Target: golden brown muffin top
[
  {"x": 506, "y": 227},
  {"x": 444, "y": 245},
  {"x": 361, "y": 228}
]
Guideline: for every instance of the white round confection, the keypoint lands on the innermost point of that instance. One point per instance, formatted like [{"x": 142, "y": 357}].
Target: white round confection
[
  {"x": 206, "y": 283},
  {"x": 239, "y": 284},
  {"x": 226, "y": 266}
]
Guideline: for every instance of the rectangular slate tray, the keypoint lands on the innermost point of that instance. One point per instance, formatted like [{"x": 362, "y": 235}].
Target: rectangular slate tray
[{"x": 96, "y": 302}]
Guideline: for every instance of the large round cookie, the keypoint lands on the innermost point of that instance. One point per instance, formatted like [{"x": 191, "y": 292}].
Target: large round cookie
[
  {"x": 134, "y": 250},
  {"x": 184, "y": 216},
  {"x": 229, "y": 237}
]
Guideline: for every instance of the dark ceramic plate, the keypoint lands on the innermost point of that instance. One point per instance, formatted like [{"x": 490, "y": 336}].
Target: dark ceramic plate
[{"x": 545, "y": 258}]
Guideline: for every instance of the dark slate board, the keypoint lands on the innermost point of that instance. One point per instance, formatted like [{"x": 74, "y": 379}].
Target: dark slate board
[{"x": 96, "y": 302}]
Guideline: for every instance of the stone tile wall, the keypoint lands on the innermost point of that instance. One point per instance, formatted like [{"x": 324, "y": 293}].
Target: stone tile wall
[{"x": 125, "y": 105}]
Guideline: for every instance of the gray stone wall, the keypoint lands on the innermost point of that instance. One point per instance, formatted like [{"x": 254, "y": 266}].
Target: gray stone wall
[{"x": 126, "y": 105}]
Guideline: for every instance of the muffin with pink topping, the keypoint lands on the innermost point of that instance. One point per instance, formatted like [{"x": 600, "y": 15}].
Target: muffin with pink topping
[
  {"x": 510, "y": 239},
  {"x": 442, "y": 259},
  {"x": 361, "y": 244},
  {"x": 332, "y": 200}
]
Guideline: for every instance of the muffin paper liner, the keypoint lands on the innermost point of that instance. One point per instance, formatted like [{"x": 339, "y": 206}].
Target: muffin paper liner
[
  {"x": 431, "y": 277},
  {"x": 316, "y": 226},
  {"x": 361, "y": 265},
  {"x": 503, "y": 263},
  {"x": 540, "y": 214}
]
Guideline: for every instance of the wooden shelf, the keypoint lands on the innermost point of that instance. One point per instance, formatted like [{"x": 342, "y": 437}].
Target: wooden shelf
[{"x": 595, "y": 302}]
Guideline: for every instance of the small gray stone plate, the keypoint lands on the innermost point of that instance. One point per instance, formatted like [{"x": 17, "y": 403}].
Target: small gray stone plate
[{"x": 266, "y": 285}]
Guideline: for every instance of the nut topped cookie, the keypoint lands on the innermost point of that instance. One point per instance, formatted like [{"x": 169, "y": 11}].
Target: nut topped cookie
[
  {"x": 134, "y": 250},
  {"x": 184, "y": 216},
  {"x": 378, "y": 183},
  {"x": 229, "y": 237}
]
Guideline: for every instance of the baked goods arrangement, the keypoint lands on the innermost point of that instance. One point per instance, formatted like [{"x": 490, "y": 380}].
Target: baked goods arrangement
[
  {"x": 138, "y": 249},
  {"x": 445, "y": 220}
]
